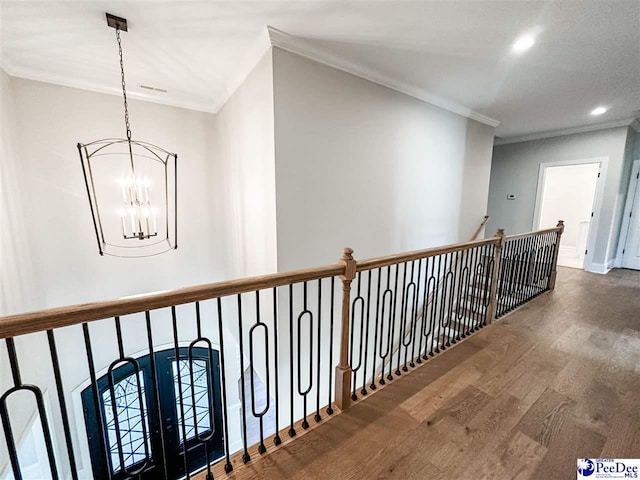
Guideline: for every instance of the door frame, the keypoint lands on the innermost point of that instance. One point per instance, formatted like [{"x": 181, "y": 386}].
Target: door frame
[
  {"x": 588, "y": 264},
  {"x": 628, "y": 205}
]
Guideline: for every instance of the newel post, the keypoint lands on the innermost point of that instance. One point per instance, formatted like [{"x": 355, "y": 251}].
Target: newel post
[
  {"x": 554, "y": 265},
  {"x": 343, "y": 370},
  {"x": 493, "y": 299}
]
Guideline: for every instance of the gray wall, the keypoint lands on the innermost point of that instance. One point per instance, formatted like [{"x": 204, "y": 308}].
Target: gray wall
[
  {"x": 360, "y": 165},
  {"x": 515, "y": 170}
]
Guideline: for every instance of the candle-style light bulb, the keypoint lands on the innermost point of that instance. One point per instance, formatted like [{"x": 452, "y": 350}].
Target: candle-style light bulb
[
  {"x": 146, "y": 191},
  {"x": 145, "y": 214},
  {"x": 132, "y": 215},
  {"x": 155, "y": 221},
  {"x": 122, "y": 221}
]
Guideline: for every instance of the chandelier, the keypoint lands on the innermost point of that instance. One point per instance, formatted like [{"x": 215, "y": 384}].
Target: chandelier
[{"x": 132, "y": 187}]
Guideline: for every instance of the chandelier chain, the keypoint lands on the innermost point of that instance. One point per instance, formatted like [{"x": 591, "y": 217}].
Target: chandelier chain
[{"x": 124, "y": 86}]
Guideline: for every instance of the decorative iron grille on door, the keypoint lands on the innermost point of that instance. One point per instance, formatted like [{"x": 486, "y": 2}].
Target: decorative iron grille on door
[{"x": 131, "y": 433}]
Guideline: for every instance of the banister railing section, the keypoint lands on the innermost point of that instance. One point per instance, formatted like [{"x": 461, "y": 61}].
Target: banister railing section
[{"x": 193, "y": 382}]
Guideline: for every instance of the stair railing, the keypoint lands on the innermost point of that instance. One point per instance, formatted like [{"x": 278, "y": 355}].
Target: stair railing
[
  {"x": 283, "y": 329},
  {"x": 528, "y": 267}
]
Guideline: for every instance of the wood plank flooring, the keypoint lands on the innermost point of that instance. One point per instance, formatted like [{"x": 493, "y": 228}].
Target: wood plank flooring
[{"x": 557, "y": 380}]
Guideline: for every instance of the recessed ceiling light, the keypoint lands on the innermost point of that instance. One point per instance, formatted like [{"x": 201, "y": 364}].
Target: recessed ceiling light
[
  {"x": 598, "y": 111},
  {"x": 523, "y": 43}
]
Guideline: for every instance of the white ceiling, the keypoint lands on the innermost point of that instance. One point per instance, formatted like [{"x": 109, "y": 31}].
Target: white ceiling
[{"x": 454, "y": 53}]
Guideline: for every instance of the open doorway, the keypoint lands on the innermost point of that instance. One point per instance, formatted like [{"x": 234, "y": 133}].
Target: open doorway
[
  {"x": 569, "y": 191},
  {"x": 629, "y": 248}
]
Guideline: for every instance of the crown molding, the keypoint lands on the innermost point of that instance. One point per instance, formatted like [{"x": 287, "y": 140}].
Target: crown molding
[
  {"x": 567, "y": 131},
  {"x": 304, "y": 48},
  {"x": 45, "y": 77},
  {"x": 262, "y": 46}
]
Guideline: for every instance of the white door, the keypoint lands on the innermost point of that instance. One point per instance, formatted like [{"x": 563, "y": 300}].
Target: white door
[{"x": 631, "y": 250}]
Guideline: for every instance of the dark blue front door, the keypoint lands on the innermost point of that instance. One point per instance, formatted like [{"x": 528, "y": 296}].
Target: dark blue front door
[{"x": 135, "y": 431}]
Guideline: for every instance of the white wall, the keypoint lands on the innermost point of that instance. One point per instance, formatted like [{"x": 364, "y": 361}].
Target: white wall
[
  {"x": 515, "y": 170},
  {"x": 17, "y": 277},
  {"x": 49, "y": 251},
  {"x": 243, "y": 172},
  {"x": 360, "y": 165},
  {"x": 54, "y": 212}
]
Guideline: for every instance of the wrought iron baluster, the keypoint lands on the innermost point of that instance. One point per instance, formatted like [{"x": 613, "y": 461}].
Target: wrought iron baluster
[
  {"x": 426, "y": 330},
  {"x": 435, "y": 307},
  {"x": 488, "y": 275},
  {"x": 423, "y": 313},
  {"x": 553, "y": 241},
  {"x": 111, "y": 381},
  {"x": 489, "y": 278},
  {"x": 451, "y": 315},
  {"x": 329, "y": 402},
  {"x": 254, "y": 411},
  {"x": 228, "y": 467},
  {"x": 6, "y": 421},
  {"x": 372, "y": 385},
  {"x": 246, "y": 458},
  {"x": 403, "y": 318},
  {"x": 473, "y": 289},
  {"x": 176, "y": 347},
  {"x": 63, "y": 404},
  {"x": 415, "y": 319},
  {"x": 304, "y": 392},
  {"x": 203, "y": 439},
  {"x": 366, "y": 335},
  {"x": 476, "y": 259},
  {"x": 409, "y": 306},
  {"x": 359, "y": 300},
  {"x": 276, "y": 439},
  {"x": 443, "y": 304},
  {"x": 393, "y": 323},
  {"x": 96, "y": 398},
  {"x": 513, "y": 275},
  {"x": 388, "y": 294},
  {"x": 156, "y": 391},
  {"x": 317, "y": 417},
  {"x": 292, "y": 430},
  {"x": 463, "y": 295},
  {"x": 113, "y": 395},
  {"x": 523, "y": 271}
]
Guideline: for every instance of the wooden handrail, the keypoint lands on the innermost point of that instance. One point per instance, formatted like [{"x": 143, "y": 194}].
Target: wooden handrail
[
  {"x": 480, "y": 227},
  {"x": 531, "y": 234},
  {"x": 31, "y": 322},
  {"x": 417, "y": 254},
  {"x": 20, "y": 324}
]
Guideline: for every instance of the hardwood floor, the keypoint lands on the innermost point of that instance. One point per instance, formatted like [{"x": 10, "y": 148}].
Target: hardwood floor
[{"x": 557, "y": 380}]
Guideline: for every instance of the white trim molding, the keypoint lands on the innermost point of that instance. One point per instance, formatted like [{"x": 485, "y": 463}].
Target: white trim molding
[
  {"x": 625, "y": 122},
  {"x": 600, "y": 268},
  {"x": 596, "y": 208},
  {"x": 39, "y": 76},
  {"x": 307, "y": 49}
]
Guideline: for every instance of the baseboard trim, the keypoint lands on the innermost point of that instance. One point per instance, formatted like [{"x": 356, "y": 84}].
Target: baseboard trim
[{"x": 601, "y": 268}]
